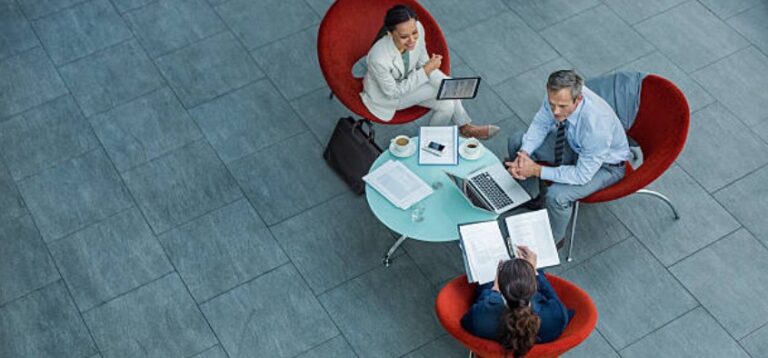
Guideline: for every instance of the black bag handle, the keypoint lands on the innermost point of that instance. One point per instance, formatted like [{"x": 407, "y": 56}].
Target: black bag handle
[{"x": 359, "y": 126}]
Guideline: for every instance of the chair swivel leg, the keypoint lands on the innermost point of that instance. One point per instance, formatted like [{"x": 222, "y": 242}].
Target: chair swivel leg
[
  {"x": 569, "y": 257},
  {"x": 662, "y": 197}
]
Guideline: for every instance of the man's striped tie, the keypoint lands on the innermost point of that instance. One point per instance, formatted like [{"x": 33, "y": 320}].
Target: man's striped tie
[{"x": 559, "y": 143}]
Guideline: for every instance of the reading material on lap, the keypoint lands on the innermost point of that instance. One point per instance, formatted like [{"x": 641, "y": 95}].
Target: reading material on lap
[
  {"x": 484, "y": 243},
  {"x": 398, "y": 184}
]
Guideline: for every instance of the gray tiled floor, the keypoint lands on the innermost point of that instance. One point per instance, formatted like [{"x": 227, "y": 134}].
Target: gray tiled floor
[{"x": 162, "y": 192}]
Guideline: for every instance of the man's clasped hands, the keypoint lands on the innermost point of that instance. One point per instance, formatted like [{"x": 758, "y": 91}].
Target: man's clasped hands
[{"x": 523, "y": 167}]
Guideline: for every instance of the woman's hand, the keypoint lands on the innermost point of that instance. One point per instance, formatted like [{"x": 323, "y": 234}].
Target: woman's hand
[
  {"x": 434, "y": 63},
  {"x": 527, "y": 254}
]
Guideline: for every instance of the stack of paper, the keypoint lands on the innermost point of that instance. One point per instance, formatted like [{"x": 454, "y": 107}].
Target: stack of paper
[
  {"x": 398, "y": 184},
  {"x": 447, "y": 136}
]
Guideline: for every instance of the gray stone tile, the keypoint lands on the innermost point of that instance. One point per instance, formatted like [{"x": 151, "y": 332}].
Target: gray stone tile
[
  {"x": 11, "y": 203},
  {"x": 39, "y": 8},
  {"x": 178, "y": 187},
  {"x": 346, "y": 241},
  {"x": 215, "y": 352},
  {"x": 247, "y": 120},
  {"x": 16, "y": 34},
  {"x": 751, "y": 24},
  {"x": 633, "y": 11},
  {"x": 109, "y": 258},
  {"x": 81, "y": 30},
  {"x": 596, "y": 41},
  {"x": 159, "y": 319},
  {"x": 29, "y": 79},
  {"x": 439, "y": 261},
  {"x": 715, "y": 139},
  {"x": 74, "y": 194},
  {"x": 594, "y": 346},
  {"x": 732, "y": 82},
  {"x": 237, "y": 244},
  {"x": 320, "y": 6},
  {"x": 702, "y": 219},
  {"x": 540, "y": 14},
  {"x": 525, "y": 93},
  {"x": 487, "y": 107},
  {"x": 624, "y": 278},
  {"x": 257, "y": 23},
  {"x": 292, "y": 64},
  {"x": 658, "y": 64},
  {"x": 396, "y": 299},
  {"x": 454, "y": 15},
  {"x": 320, "y": 113},
  {"x": 597, "y": 229},
  {"x": 170, "y": 24},
  {"x": 127, "y": 5},
  {"x": 691, "y": 36},
  {"x": 144, "y": 129},
  {"x": 725, "y": 9},
  {"x": 509, "y": 48},
  {"x": 111, "y": 77},
  {"x": 746, "y": 199},
  {"x": 444, "y": 346},
  {"x": 24, "y": 261},
  {"x": 696, "y": 334},
  {"x": 727, "y": 278},
  {"x": 45, "y": 136},
  {"x": 269, "y": 178},
  {"x": 209, "y": 68},
  {"x": 757, "y": 342},
  {"x": 336, "y": 347},
  {"x": 44, "y": 324},
  {"x": 275, "y": 315}
]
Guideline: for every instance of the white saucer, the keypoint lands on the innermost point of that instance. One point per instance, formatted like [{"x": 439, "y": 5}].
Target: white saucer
[
  {"x": 409, "y": 150},
  {"x": 477, "y": 155}
]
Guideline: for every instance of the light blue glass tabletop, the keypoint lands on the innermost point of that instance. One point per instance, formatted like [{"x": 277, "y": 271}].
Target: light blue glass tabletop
[{"x": 444, "y": 209}]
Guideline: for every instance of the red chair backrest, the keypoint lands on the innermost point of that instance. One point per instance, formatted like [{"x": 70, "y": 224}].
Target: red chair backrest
[
  {"x": 347, "y": 33},
  {"x": 661, "y": 129},
  {"x": 455, "y": 299}
]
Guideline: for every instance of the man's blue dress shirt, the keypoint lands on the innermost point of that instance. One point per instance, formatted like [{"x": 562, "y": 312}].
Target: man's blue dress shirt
[{"x": 594, "y": 133}]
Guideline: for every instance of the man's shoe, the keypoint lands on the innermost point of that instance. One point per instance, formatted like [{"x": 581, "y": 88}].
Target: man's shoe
[
  {"x": 480, "y": 132},
  {"x": 536, "y": 203}
]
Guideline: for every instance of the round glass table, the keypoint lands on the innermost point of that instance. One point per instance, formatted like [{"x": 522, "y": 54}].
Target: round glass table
[{"x": 443, "y": 210}]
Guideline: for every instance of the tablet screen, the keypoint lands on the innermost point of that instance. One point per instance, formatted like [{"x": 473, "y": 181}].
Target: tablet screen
[{"x": 458, "y": 88}]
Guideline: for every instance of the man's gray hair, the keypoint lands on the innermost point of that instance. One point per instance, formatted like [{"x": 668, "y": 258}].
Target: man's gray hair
[{"x": 566, "y": 79}]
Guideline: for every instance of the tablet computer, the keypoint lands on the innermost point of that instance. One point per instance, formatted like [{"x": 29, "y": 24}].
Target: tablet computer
[{"x": 458, "y": 88}]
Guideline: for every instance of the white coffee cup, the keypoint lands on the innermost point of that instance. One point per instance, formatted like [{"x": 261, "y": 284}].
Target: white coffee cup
[
  {"x": 400, "y": 143},
  {"x": 472, "y": 147}
]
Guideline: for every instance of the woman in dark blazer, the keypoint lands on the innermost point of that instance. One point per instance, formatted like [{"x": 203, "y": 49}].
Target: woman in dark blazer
[{"x": 520, "y": 308}]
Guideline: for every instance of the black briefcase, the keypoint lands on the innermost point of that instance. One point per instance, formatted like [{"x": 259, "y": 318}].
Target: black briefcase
[{"x": 351, "y": 151}]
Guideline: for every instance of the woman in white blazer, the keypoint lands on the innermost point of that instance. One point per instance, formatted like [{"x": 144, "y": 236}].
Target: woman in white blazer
[{"x": 401, "y": 74}]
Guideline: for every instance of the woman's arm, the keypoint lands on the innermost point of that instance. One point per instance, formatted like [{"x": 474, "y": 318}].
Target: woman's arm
[{"x": 392, "y": 88}]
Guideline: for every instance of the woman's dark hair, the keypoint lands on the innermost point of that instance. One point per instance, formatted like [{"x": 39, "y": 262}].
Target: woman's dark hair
[
  {"x": 398, "y": 14},
  {"x": 519, "y": 325}
]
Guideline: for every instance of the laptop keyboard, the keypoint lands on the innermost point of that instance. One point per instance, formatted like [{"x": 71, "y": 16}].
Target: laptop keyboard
[{"x": 485, "y": 184}]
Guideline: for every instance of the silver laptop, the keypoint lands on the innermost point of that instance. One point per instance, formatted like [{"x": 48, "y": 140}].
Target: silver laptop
[{"x": 491, "y": 188}]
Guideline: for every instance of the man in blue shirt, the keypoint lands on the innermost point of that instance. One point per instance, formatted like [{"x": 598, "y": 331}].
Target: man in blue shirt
[{"x": 590, "y": 155}]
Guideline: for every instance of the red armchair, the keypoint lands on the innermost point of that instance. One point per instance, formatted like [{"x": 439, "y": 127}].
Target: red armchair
[
  {"x": 346, "y": 34},
  {"x": 455, "y": 299},
  {"x": 661, "y": 129}
]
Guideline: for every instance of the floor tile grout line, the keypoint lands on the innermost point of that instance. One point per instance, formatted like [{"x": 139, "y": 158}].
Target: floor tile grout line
[
  {"x": 548, "y": 26},
  {"x": 580, "y": 263},
  {"x": 30, "y": 292},
  {"x": 736, "y": 218},
  {"x": 735, "y": 181},
  {"x": 193, "y": 355},
  {"x": 330, "y": 198},
  {"x": 705, "y": 247},
  {"x": 100, "y": 51},
  {"x": 698, "y": 305},
  {"x": 131, "y": 291},
  {"x": 664, "y": 12},
  {"x": 764, "y": 325},
  {"x": 87, "y": 226},
  {"x": 68, "y": 7},
  {"x": 182, "y": 47},
  {"x": 741, "y": 12},
  {"x": 310, "y": 349}
]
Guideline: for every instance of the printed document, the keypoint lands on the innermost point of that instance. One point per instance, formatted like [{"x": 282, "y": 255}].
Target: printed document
[
  {"x": 398, "y": 184},
  {"x": 447, "y": 136},
  {"x": 483, "y": 244}
]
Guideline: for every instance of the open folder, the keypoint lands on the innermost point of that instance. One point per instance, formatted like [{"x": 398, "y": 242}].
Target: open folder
[{"x": 485, "y": 243}]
